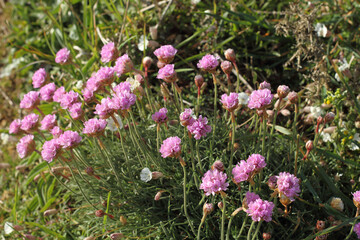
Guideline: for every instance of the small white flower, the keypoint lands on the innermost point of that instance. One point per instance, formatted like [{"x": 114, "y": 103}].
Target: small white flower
[
  {"x": 338, "y": 176},
  {"x": 133, "y": 83},
  {"x": 321, "y": 30},
  {"x": 4, "y": 138},
  {"x": 111, "y": 124},
  {"x": 145, "y": 175},
  {"x": 143, "y": 43},
  {"x": 316, "y": 112},
  {"x": 243, "y": 98},
  {"x": 8, "y": 228},
  {"x": 326, "y": 137},
  {"x": 195, "y": 1},
  {"x": 353, "y": 146},
  {"x": 79, "y": 84},
  {"x": 113, "y": 84}
]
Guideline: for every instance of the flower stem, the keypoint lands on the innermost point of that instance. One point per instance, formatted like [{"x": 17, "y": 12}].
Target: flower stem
[
  {"x": 249, "y": 232},
  {"x": 198, "y": 102},
  {"x": 199, "y": 229},
  {"x": 192, "y": 159},
  {"x": 198, "y": 157},
  {"x": 232, "y": 136},
  {"x": 257, "y": 230},
  {"x": 223, "y": 218},
  {"x": 228, "y": 229},
  {"x": 215, "y": 116},
  {"x": 242, "y": 227},
  {"x": 238, "y": 77},
  {"x": 185, "y": 204}
]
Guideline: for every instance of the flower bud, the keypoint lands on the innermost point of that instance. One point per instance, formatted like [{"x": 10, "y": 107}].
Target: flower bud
[
  {"x": 208, "y": 208},
  {"x": 116, "y": 236},
  {"x": 220, "y": 205},
  {"x": 320, "y": 225},
  {"x": 309, "y": 145},
  {"x": 337, "y": 204},
  {"x": 272, "y": 182},
  {"x": 329, "y": 129},
  {"x": 266, "y": 236},
  {"x": 50, "y": 212},
  {"x": 147, "y": 61},
  {"x": 265, "y": 85},
  {"x": 164, "y": 90},
  {"x": 199, "y": 80},
  {"x": 139, "y": 78},
  {"x": 157, "y": 175},
  {"x": 158, "y": 195},
  {"x": 153, "y": 31},
  {"x": 293, "y": 97},
  {"x": 226, "y": 66},
  {"x": 99, "y": 213},
  {"x": 329, "y": 117},
  {"x": 285, "y": 112},
  {"x": 218, "y": 165},
  {"x": 123, "y": 220},
  {"x": 4, "y": 165},
  {"x": 319, "y": 120},
  {"x": 236, "y": 146},
  {"x": 160, "y": 64},
  {"x": 230, "y": 55},
  {"x": 18, "y": 228},
  {"x": 283, "y": 91}
]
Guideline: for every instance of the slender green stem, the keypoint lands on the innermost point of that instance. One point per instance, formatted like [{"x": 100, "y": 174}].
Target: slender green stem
[
  {"x": 351, "y": 231},
  {"x": 249, "y": 232},
  {"x": 158, "y": 137},
  {"x": 242, "y": 227},
  {"x": 215, "y": 116},
  {"x": 198, "y": 156},
  {"x": 238, "y": 78},
  {"x": 232, "y": 136},
  {"x": 257, "y": 230},
  {"x": 223, "y": 218},
  {"x": 198, "y": 103},
  {"x": 228, "y": 228},
  {"x": 185, "y": 204},
  {"x": 192, "y": 159},
  {"x": 199, "y": 229},
  {"x": 273, "y": 128}
]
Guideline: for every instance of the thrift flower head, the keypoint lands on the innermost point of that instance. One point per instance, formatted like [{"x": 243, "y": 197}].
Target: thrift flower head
[
  {"x": 213, "y": 182},
  {"x": 241, "y": 172},
  {"x": 243, "y": 98},
  {"x": 58, "y": 94},
  {"x": 167, "y": 73},
  {"x": 288, "y": 184},
  {"x": 30, "y": 100},
  {"x": 260, "y": 210},
  {"x": 230, "y": 102},
  {"x": 208, "y": 63},
  {"x": 265, "y": 85},
  {"x": 256, "y": 162},
  {"x": 47, "y": 92},
  {"x": 25, "y": 146},
  {"x": 260, "y": 98},
  {"x": 92, "y": 84},
  {"x": 69, "y": 139},
  {"x": 29, "y": 122},
  {"x": 14, "y": 127},
  {"x": 50, "y": 150},
  {"x": 124, "y": 100},
  {"x": 63, "y": 56},
  {"x": 39, "y": 78},
  {"x": 48, "y": 122},
  {"x": 171, "y": 147},
  {"x": 87, "y": 95},
  {"x": 199, "y": 128},
  {"x": 69, "y": 99},
  {"x": 226, "y": 66},
  {"x": 251, "y": 197},
  {"x": 105, "y": 76},
  {"x": 75, "y": 111},
  {"x": 56, "y": 131},
  {"x": 145, "y": 175},
  {"x": 357, "y": 230},
  {"x": 356, "y": 198},
  {"x": 165, "y": 53},
  {"x": 109, "y": 52},
  {"x": 187, "y": 117},
  {"x": 337, "y": 203},
  {"x": 230, "y": 55},
  {"x": 160, "y": 116},
  {"x": 94, "y": 127},
  {"x": 283, "y": 91},
  {"x": 122, "y": 87},
  {"x": 123, "y": 65},
  {"x": 104, "y": 109}
]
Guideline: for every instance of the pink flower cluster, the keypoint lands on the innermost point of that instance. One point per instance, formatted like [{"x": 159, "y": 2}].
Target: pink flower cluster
[
  {"x": 187, "y": 117},
  {"x": 199, "y": 127},
  {"x": 249, "y": 198},
  {"x": 171, "y": 147},
  {"x": 47, "y": 92},
  {"x": 14, "y": 127},
  {"x": 245, "y": 170},
  {"x": 260, "y": 210},
  {"x": 165, "y": 53},
  {"x": 63, "y": 56},
  {"x": 123, "y": 65},
  {"x": 105, "y": 108},
  {"x": 69, "y": 139},
  {"x": 260, "y": 98},
  {"x": 51, "y": 150},
  {"x": 288, "y": 185},
  {"x": 58, "y": 94},
  {"x": 68, "y": 99},
  {"x": 105, "y": 76},
  {"x": 167, "y": 73},
  {"x": 160, "y": 116},
  {"x": 357, "y": 230},
  {"x": 30, "y": 122},
  {"x": 56, "y": 132},
  {"x": 25, "y": 146},
  {"x": 30, "y": 100},
  {"x": 39, "y": 78},
  {"x": 76, "y": 111},
  {"x": 208, "y": 63},
  {"x": 213, "y": 182},
  {"x": 123, "y": 98},
  {"x": 265, "y": 85},
  {"x": 48, "y": 122},
  {"x": 356, "y": 198},
  {"x": 230, "y": 102},
  {"x": 94, "y": 127},
  {"x": 109, "y": 52}
]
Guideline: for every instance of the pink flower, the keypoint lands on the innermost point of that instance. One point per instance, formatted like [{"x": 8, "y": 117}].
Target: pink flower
[
  {"x": 123, "y": 65},
  {"x": 122, "y": 87},
  {"x": 226, "y": 66},
  {"x": 171, "y": 147},
  {"x": 39, "y": 78},
  {"x": 51, "y": 150},
  {"x": 14, "y": 127},
  {"x": 260, "y": 210},
  {"x": 56, "y": 131},
  {"x": 256, "y": 162},
  {"x": 160, "y": 116},
  {"x": 109, "y": 52},
  {"x": 75, "y": 111},
  {"x": 123, "y": 99},
  {"x": 187, "y": 117},
  {"x": 87, "y": 95},
  {"x": 25, "y": 146},
  {"x": 105, "y": 108},
  {"x": 69, "y": 139},
  {"x": 242, "y": 171},
  {"x": 69, "y": 99},
  {"x": 251, "y": 197},
  {"x": 288, "y": 184},
  {"x": 92, "y": 84},
  {"x": 260, "y": 98},
  {"x": 356, "y": 198},
  {"x": 94, "y": 127},
  {"x": 48, "y": 122},
  {"x": 58, "y": 94},
  {"x": 29, "y": 122},
  {"x": 47, "y": 92},
  {"x": 357, "y": 230},
  {"x": 30, "y": 100},
  {"x": 208, "y": 63},
  {"x": 199, "y": 128},
  {"x": 230, "y": 102},
  {"x": 62, "y": 56},
  {"x": 167, "y": 73},
  {"x": 165, "y": 53},
  {"x": 105, "y": 76},
  {"x": 265, "y": 85},
  {"x": 213, "y": 182}
]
